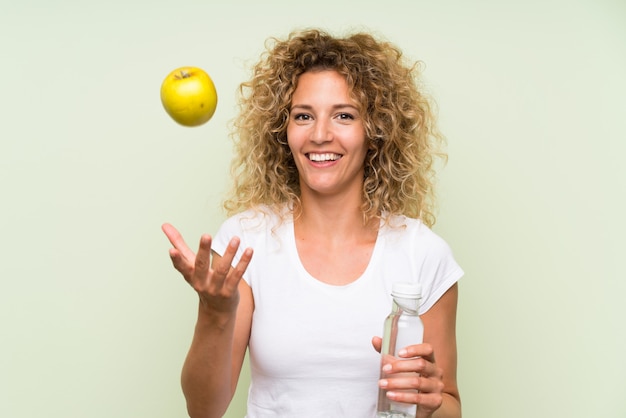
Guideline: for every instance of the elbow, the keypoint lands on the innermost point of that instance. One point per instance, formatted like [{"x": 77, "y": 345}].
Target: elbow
[{"x": 196, "y": 412}]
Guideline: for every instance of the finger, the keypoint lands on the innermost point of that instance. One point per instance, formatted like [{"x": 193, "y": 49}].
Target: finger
[
  {"x": 222, "y": 266},
  {"x": 377, "y": 343},
  {"x": 418, "y": 365},
  {"x": 232, "y": 280},
  {"x": 180, "y": 263},
  {"x": 427, "y": 401},
  {"x": 411, "y": 382},
  {"x": 229, "y": 254},
  {"x": 202, "y": 264},
  {"x": 176, "y": 239},
  {"x": 418, "y": 350}
]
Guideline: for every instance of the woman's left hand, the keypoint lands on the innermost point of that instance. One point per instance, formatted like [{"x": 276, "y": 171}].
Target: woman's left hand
[{"x": 418, "y": 380}]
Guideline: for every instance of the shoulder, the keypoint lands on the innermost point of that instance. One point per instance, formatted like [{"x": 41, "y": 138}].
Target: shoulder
[
  {"x": 412, "y": 233},
  {"x": 254, "y": 225},
  {"x": 257, "y": 218},
  {"x": 415, "y": 250}
]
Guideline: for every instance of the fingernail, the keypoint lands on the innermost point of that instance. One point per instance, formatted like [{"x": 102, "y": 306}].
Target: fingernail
[
  {"x": 403, "y": 352},
  {"x": 383, "y": 383},
  {"x": 387, "y": 368}
]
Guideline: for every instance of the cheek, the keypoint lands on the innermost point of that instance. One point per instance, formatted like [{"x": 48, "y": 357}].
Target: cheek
[
  {"x": 290, "y": 135},
  {"x": 293, "y": 148},
  {"x": 294, "y": 138},
  {"x": 363, "y": 143},
  {"x": 290, "y": 142}
]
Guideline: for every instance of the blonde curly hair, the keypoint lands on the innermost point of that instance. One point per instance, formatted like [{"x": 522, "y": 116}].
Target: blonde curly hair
[{"x": 399, "y": 119}]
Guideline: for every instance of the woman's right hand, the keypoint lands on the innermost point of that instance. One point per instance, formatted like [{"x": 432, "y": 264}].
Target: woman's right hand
[{"x": 215, "y": 284}]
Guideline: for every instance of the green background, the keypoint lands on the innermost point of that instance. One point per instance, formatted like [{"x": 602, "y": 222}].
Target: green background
[{"x": 95, "y": 322}]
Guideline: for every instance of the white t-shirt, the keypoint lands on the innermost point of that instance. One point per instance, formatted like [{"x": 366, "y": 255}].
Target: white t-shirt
[{"x": 310, "y": 346}]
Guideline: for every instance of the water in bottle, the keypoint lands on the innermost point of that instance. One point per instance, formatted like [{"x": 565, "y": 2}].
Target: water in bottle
[{"x": 403, "y": 327}]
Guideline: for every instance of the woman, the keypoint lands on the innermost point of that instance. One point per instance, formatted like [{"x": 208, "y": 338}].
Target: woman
[{"x": 333, "y": 192}]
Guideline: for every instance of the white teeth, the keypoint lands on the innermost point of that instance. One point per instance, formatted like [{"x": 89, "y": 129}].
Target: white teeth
[{"x": 324, "y": 157}]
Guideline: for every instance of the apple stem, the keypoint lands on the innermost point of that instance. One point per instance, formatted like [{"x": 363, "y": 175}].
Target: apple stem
[{"x": 183, "y": 74}]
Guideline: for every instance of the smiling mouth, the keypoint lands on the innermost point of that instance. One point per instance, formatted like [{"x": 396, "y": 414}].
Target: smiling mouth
[{"x": 323, "y": 157}]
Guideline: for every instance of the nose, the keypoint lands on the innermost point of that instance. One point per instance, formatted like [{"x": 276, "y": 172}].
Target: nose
[{"x": 322, "y": 131}]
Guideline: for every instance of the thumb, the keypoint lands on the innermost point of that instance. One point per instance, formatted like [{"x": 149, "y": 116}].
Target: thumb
[{"x": 377, "y": 342}]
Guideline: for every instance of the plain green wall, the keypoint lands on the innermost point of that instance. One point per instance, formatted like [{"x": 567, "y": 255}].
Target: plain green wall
[{"x": 94, "y": 321}]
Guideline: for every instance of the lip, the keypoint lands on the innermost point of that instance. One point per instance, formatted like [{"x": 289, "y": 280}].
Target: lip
[{"x": 323, "y": 157}]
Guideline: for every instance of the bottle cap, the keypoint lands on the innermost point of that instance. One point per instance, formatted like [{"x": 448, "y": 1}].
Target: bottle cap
[{"x": 406, "y": 290}]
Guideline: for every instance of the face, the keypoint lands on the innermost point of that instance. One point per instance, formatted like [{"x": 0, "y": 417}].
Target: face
[{"x": 326, "y": 135}]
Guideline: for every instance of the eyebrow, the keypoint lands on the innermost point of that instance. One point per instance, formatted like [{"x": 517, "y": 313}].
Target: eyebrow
[{"x": 334, "y": 107}]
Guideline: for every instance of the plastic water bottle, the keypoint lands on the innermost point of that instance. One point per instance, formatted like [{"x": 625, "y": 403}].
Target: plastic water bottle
[{"x": 403, "y": 327}]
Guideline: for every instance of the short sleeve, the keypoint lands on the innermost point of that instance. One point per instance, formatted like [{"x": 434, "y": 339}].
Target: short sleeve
[
  {"x": 417, "y": 254},
  {"x": 439, "y": 273}
]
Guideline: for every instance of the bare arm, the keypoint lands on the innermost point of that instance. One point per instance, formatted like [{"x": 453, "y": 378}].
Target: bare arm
[
  {"x": 440, "y": 333},
  {"x": 214, "y": 360},
  {"x": 211, "y": 370}
]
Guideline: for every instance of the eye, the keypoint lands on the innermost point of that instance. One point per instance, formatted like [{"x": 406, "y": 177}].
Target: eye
[
  {"x": 345, "y": 116},
  {"x": 302, "y": 116}
]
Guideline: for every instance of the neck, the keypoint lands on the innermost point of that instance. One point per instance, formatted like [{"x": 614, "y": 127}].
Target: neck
[{"x": 336, "y": 218}]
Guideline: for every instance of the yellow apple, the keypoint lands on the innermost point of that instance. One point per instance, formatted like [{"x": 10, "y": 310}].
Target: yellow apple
[{"x": 189, "y": 96}]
